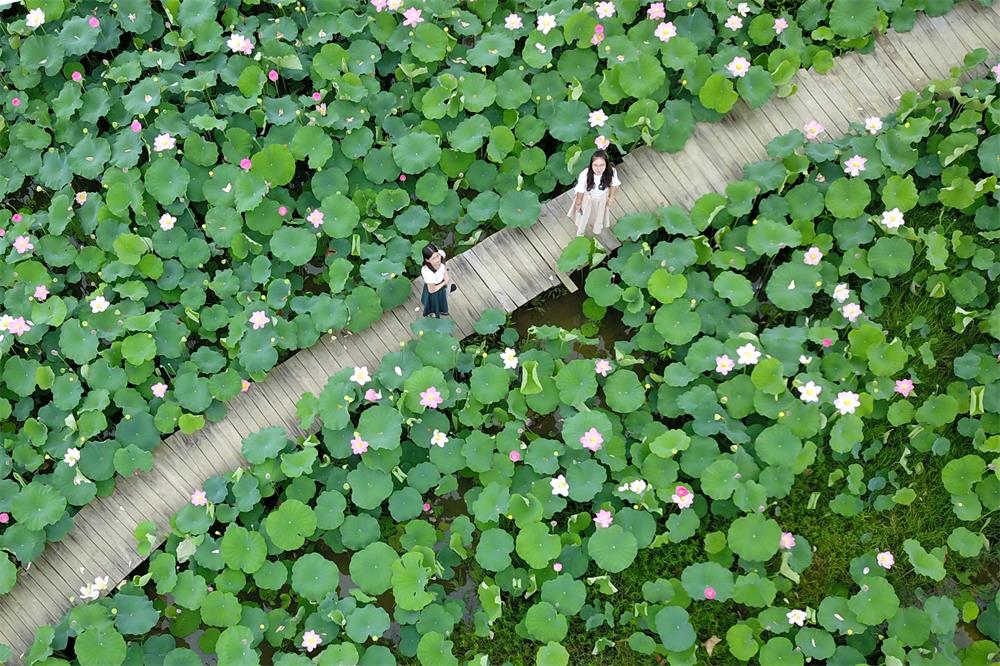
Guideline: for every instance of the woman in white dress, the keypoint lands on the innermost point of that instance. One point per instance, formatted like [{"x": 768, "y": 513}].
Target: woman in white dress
[
  {"x": 595, "y": 190},
  {"x": 437, "y": 283}
]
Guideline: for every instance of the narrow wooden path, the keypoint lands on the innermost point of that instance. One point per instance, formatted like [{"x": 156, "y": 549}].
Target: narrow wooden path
[{"x": 506, "y": 270}]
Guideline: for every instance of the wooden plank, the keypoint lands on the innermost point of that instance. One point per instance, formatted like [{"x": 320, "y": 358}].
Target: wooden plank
[
  {"x": 654, "y": 164},
  {"x": 668, "y": 163},
  {"x": 520, "y": 250},
  {"x": 879, "y": 101},
  {"x": 818, "y": 107},
  {"x": 945, "y": 43},
  {"x": 501, "y": 263},
  {"x": 496, "y": 285},
  {"x": 533, "y": 249},
  {"x": 543, "y": 245}
]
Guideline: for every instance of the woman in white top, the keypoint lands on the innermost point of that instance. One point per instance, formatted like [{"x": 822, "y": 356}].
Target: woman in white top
[
  {"x": 595, "y": 189},
  {"x": 436, "y": 282}
]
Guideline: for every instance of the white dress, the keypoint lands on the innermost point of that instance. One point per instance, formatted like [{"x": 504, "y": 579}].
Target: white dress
[{"x": 594, "y": 207}]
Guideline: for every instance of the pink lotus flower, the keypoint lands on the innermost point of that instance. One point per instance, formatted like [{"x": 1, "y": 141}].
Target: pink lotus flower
[
  {"x": 18, "y": 326},
  {"x": 167, "y": 221},
  {"x": 245, "y": 164},
  {"x": 515, "y": 456},
  {"x": 379, "y": 5},
  {"x": 136, "y": 126},
  {"x": 513, "y": 22},
  {"x": 244, "y": 386},
  {"x": 557, "y": 567},
  {"x": 855, "y": 165},
  {"x": 739, "y": 67},
  {"x": 734, "y": 22},
  {"x": 427, "y": 506},
  {"x": 93, "y": 22},
  {"x": 598, "y": 35},
  {"x": 885, "y": 560},
  {"x": 710, "y": 593},
  {"x": 602, "y": 367},
  {"x": 16, "y": 217},
  {"x": 656, "y": 11},
  {"x": 358, "y": 445},
  {"x": 682, "y": 497},
  {"x": 813, "y": 129},
  {"x": 4, "y": 518},
  {"x": 164, "y": 142},
  {"x": 311, "y": 640},
  {"x": 602, "y": 142},
  {"x": 724, "y": 365},
  {"x": 665, "y": 31},
  {"x": 597, "y": 118},
  {"x": 787, "y": 540},
  {"x": 159, "y": 389},
  {"x": 317, "y": 96},
  {"x": 16, "y": 102},
  {"x": 603, "y": 518},
  {"x": 315, "y": 218},
  {"x": 272, "y": 75},
  {"x": 259, "y": 319},
  {"x": 76, "y": 76},
  {"x": 431, "y": 398},
  {"x": 780, "y": 25},
  {"x": 373, "y": 395},
  {"x": 412, "y": 17},
  {"x": 851, "y": 311},
  {"x": 199, "y": 498},
  {"x": 237, "y": 43},
  {"x": 904, "y": 387},
  {"x": 402, "y": 177},
  {"x": 41, "y": 292},
  {"x": 813, "y": 256},
  {"x": 592, "y": 440},
  {"x": 23, "y": 244},
  {"x": 282, "y": 210},
  {"x": 996, "y": 71},
  {"x": 605, "y": 9},
  {"x": 827, "y": 342}
]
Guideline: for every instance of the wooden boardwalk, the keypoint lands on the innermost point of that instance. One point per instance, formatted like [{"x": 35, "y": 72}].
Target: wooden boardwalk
[{"x": 506, "y": 270}]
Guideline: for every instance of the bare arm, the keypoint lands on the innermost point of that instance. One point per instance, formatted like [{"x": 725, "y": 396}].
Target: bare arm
[
  {"x": 578, "y": 201},
  {"x": 611, "y": 193}
]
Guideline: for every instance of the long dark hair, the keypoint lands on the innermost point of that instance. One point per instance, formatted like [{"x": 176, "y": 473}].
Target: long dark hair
[
  {"x": 605, "y": 177},
  {"x": 429, "y": 251}
]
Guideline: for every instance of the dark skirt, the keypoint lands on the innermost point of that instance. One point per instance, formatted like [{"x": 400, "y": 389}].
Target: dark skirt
[{"x": 434, "y": 304}]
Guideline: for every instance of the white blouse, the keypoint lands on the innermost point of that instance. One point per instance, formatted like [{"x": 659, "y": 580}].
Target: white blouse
[
  {"x": 581, "y": 184},
  {"x": 433, "y": 277}
]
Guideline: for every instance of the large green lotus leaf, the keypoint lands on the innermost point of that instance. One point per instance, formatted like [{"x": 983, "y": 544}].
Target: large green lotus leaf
[
  {"x": 718, "y": 93},
  {"x": 90, "y": 154},
  {"x": 314, "y": 577},
  {"x": 290, "y": 524},
  {"x": 381, "y": 426},
  {"x": 242, "y": 549},
  {"x": 235, "y": 647},
  {"x": 930, "y": 564},
  {"x": 409, "y": 582},
  {"x": 899, "y": 192},
  {"x": 8, "y": 574},
  {"x": 166, "y": 180},
  {"x": 664, "y": 286},
  {"x": 585, "y": 480},
  {"x": 577, "y": 382},
  {"x": 275, "y": 164},
  {"x": 371, "y": 568},
  {"x": 416, "y": 152},
  {"x": 369, "y": 487},
  {"x": 430, "y": 43},
  {"x": 875, "y": 602},
  {"x": 848, "y": 197},
  {"x": 469, "y": 135},
  {"x": 368, "y": 622},
  {"x": 698, "y": 577},
  {"x": 294, "y": 245},
  {"x": 890, "y": 256},
  {"x": 989, "y": 154},
  {"x": 853, "y": 18},
  {"x": 740, "y": 641},
  {"x": 756, "y": 86},
  {"x": 677, "y": 322},
  {"x": 494, "y": 549},
  {"x": 599, "y": 286},
  {"x": 135, "y": 614},
  {"x": 754, "y": 537},
  {"x": 544, "y": 624},
  {"x": 960, "y": 475},
  {"x": 489, "y": 384},
  {"x": 734, "y": 288},
  {"x": 264, "y": 444},
  {"x": 781, "y": 652},
  {"x": 770, "y": 237},
  {"x": 623, "y": 392},
  {"x": 519, "y": 208},
  {"x": 792, "y": 285},
  {"x": 568, "y": 121},
  {"x": 37, "y": 505},
  {"x": 536, "y": 545},
  {"x": 612, "y": 548},
  {"x": 641, "y": 77},
  {"x": 100, "y": 645},
  {"x": 674, "y": 628}
]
